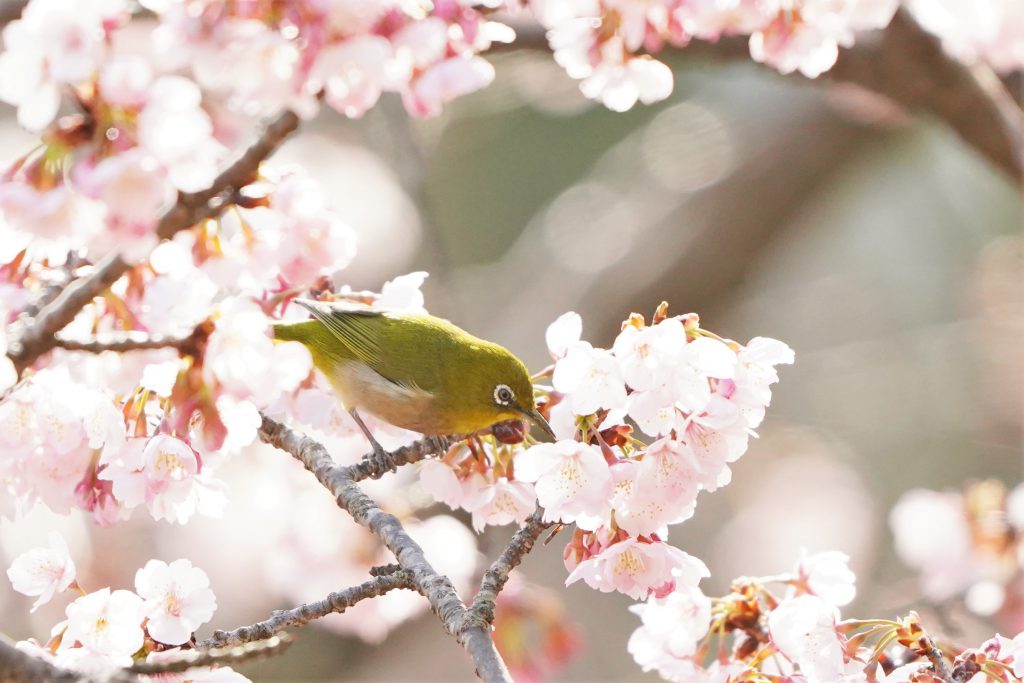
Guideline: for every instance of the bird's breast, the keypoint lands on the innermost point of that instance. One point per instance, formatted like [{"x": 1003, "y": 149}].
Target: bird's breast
[{"x": 409, "y": 407}]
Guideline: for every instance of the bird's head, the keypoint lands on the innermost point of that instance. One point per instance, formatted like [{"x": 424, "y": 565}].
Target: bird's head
[{"x": 501, "y": 386}]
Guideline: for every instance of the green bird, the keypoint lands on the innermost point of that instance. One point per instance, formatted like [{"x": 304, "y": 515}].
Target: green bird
[{"x": 413, "y": 371}]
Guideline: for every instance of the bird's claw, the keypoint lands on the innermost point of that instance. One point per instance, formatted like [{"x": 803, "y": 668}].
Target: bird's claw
[{"x": 437, "y": 444}]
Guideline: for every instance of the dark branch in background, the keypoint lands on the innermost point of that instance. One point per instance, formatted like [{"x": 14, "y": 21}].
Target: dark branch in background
[
  {"x": 908, "y": 66},
  {"x": 37, "y": 336},
  {"x": 10, "y": 10},
  {"x": 436, "y": 588},
  {"x": 496, "y": 576},
  {"x": 335, "y": 603}
]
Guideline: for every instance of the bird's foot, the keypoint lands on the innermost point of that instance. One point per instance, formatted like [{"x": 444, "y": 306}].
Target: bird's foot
[
  {"x": 436, "y": 444},
  {"x": 381, "y": 459}
]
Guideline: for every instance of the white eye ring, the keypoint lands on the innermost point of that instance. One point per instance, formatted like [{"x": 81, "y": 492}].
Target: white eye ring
[{"x": 503, "y": 395}]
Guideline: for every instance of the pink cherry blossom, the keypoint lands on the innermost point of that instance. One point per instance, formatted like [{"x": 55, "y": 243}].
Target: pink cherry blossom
[
  {"x": 175, "y": 129},
  {"x": 563, "y": 333},
  {"x": 163, "y": 474},
  {"x": 243, "y": 359},
  {"x": 671, "y": 630},
  {"x": 105, "y": 622},
  {"x": 573, "y": 482},
  {"x": 590, "y": 378},
  {"x": 441, "y": 482},
  {"x": 645, "y": 354},
  {"x": 639, "y": 568},
  {"x": 445, "y": 81},
  {"x": 353, "y": 73},
  {"x": 134, "y": 188},
  {"x": 48, "y": 47},
  {"x": 663, "y": 490},
  {"x": 828, "y": 576},
  {"x": 43, "y": 572},
  {"x": 804, "y": 630},
  {"x": 178, "y": 599},
  {"x": 403, "y": 293},
  {"x": 620, "y": 85},
  {"x": 498, "y": 502}
]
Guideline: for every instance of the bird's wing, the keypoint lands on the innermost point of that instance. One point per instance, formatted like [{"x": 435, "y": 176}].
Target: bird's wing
[{"x": 359, "y": 330}]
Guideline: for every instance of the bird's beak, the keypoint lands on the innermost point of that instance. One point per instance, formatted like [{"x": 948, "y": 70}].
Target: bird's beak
[{"x": 536, "y": 418}]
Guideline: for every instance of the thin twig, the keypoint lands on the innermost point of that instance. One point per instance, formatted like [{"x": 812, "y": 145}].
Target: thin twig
[
  {"x": 437, "y": 588},
  {"x": 497, "y": 574},
  {"x": 335, "y": 603},
  {"x": 374, "y": 466},
  {"x": 121, "y": 342},
  {"x": 934, "y": 655},
  {"x": 190, "y": 659},
  {"x": 37, "y": 336}
]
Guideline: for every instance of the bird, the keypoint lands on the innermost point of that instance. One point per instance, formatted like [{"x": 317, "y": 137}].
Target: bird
[{"x": 413, "y": 370}]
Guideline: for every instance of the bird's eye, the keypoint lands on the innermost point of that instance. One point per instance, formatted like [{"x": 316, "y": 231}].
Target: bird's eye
[{"x": 503, "y": 396}]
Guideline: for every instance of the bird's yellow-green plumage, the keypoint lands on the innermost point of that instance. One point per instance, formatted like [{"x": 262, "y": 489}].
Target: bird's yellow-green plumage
[{"x": 414, "y": 371}]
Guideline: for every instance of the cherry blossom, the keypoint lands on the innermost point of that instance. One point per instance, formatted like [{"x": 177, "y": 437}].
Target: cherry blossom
[
  {"x": 440, "y": 480},
  {"x": 48, "y": 47},
  {"x": 671, "y": 630},
  {"x": 573, "y": 482},
  {"x": 639, "y": 569},
  {"x": 563, "y": 333},
  {"x": 663, "y": 489},
  {"x": 828, "y": 576},
  {"x": 107, "y": 623},
  {"x": 178, "y": 599},
  {"x": 591, "y": 379},
  {"x": 498, "y": 502},
  {"x": 804, "y": 630},
  {"x": 245, "y": 362},
  {"x": 43, "y": 572},
  {"x": 164, "y": 474}
]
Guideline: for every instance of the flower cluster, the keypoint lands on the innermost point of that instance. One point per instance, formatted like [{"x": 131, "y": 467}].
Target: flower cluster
[
  {"x": 267, "y": 56},
  {"x": 966, "y": 543},
  {"x": 696, "y": 396},
  {"x": 106, "y": 630},
  {"x": 608, "y": 43},
  {"x": 788, "y": 628}
]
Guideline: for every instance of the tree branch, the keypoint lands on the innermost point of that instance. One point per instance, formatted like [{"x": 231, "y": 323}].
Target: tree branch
[
  {"x": 438, "y": 589},
  {"x": 17, "y": 665},
  {"x": 121, "y": 342},
  {"x": 37, "y": 336},
  {"x": 303, "y": 614},
  {"x": 190, "y": 659},
  {"x": 497, "y": 574}
]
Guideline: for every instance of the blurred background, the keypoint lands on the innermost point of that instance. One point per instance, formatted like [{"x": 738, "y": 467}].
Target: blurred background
[{"x": 882, "y": 249}]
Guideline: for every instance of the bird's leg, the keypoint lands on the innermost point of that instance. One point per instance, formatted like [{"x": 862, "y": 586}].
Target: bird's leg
[{"x": 378, "y": 450}]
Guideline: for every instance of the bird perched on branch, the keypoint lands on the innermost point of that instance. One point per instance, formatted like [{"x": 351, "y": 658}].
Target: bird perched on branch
[{"x": 413, "y": 371}]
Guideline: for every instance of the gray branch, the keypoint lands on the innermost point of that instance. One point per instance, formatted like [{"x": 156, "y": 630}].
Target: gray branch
[
  {"x": 17, "y": 665},
  {"x": 474, "y": 636},
  {"x": 335, "y": 603},
  {"x": 497, "y": 574},
  {"x": 235, "y": 654}
]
